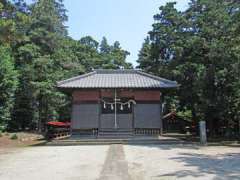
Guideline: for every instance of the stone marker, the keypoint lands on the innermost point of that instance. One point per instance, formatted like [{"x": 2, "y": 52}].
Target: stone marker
[{"x": 203, "y": 135}]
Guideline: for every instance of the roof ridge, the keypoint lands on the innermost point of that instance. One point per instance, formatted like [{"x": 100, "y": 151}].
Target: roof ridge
[
  {"x": 114, "y": 70},
  {"x": 75, "y": 78},
  {"x": 155, "y": 77}
]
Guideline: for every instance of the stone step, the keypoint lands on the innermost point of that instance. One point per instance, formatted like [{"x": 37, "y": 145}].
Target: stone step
[
  {"x": 108, "y": 141},
  {"x": 115, "y": 131},
  {"x": 115, "y": 135}
]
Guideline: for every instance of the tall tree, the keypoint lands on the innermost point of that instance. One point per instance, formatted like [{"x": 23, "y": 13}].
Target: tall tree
[
  {"x": 8, "y": 84},
  {"x": 199, "y": 48},
  {"x": 113, "y": 57},
  {"x": 119, "y": 56},
  {"x": 36, "y": 64},
  {"x": 7, "y": 25},
  {"x": 36, "y": 37},
  {"x": 89, "y": 41},
  {"x": 144, "y": 56},
  {"x": 104, "y": 46}
]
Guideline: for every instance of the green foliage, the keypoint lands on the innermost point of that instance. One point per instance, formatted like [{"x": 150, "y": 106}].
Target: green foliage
[
  {"x": 42, "y": 54},
  {"x": 7, "y": 25},
  {"x": 8, "y": 84},
  {"x": 3, "y": 128},
  {"x": 113, "y": 57},
  {"x": 14, "y": 137},
  {"x": 104, "y": 47},
  {"x": 144, "y": 56},
  {"x": 200, "y": 49},
  {"x": 185, "y": 114},
  {"x": 89, "y": 42}
]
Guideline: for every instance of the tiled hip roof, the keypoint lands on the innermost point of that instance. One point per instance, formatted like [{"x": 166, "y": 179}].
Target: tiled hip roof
[{"x": 117, "y": 79}]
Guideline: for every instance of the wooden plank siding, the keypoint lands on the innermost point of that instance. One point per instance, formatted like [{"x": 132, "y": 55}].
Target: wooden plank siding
[
  {"x": 146, "y": 114},
  {"x": 85, "y": 95},
  {"x": 94, "y": 95},
  {"x": 147, "y": 95}
]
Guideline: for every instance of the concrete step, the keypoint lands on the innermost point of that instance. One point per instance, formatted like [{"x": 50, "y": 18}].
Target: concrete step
[
  {"x": 105, "y": 137},
  {"x": 108, "y": 141},
  {"x": 115, "y": 134},
  {"x": 117, "y": 129}
]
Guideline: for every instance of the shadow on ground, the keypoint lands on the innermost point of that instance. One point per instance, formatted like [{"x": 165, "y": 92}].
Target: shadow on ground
[
  {"x": 169, "y": 146},
  {"x": 214, "y": 162},
  {"x": 222, "y": 166}
]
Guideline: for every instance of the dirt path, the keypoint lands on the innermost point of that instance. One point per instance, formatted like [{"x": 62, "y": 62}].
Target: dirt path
[
  {"x": 23, "y": 139},
  {"x": 115, "y": 166}
]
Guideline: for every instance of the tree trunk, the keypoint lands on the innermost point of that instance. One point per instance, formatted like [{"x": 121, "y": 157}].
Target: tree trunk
[
  {"x": 194, "y": 119},
  {"x": 40, "y": 108},
  {"x": 239, "y": 128}
]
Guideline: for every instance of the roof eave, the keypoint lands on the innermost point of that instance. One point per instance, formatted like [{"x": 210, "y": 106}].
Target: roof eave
[{"x": 169, "y": 87}]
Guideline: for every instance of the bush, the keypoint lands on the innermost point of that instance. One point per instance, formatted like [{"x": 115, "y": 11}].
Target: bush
[
  {"x": 14, "y": 136},
  {"x": 2, "y": 128}
]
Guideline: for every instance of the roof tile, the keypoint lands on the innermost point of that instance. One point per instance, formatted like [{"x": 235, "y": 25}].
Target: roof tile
[{"x": 117, "y": 79}]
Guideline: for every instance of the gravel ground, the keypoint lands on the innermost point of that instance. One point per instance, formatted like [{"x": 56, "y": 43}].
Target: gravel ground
[
  {"x": 53, "y": 163},
  {"x": 170, "y": 162},
  {"x": 117, "y": 162}
]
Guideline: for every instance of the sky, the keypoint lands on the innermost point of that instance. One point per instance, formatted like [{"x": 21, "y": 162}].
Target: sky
[{"x": 126, "y": 21}]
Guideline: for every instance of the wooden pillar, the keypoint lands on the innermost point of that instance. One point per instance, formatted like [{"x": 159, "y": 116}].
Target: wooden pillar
[{"x": 161, "y": 113}]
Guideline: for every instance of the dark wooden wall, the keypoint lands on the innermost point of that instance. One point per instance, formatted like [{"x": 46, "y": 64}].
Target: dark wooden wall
[
  {"x": 94, "y": 95},
  {"x": 86, "y": 108}
]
